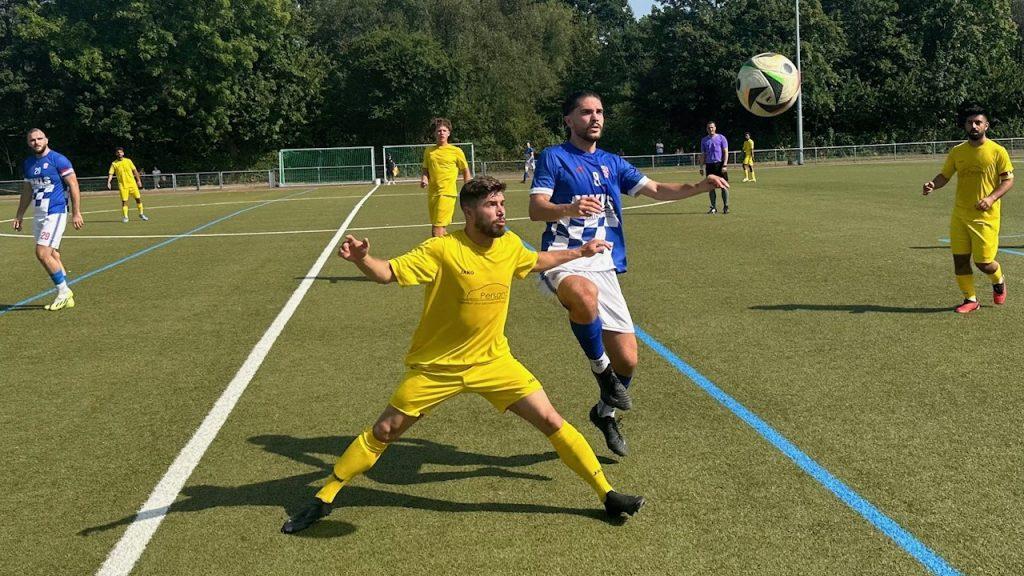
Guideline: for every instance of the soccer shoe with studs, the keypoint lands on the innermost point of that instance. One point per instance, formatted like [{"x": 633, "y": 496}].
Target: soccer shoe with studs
[
  {"x": 617, "y": 505},
  {"x": 61, "y": 302},
  {"x": 610, "y": 428},
  {"x": 308, "y": 516},
  {"x": 999, "y": 292},
  {"x": 143, "y": 217},
  {"x": 968, "y": 306},
  {"x": 712, "y": 210},
  {"x": 125, "y": 219},
  {"x": 725, "y": 210},
  {"x": 613, "y": 393},
  {"x": 746, "y": 179}
]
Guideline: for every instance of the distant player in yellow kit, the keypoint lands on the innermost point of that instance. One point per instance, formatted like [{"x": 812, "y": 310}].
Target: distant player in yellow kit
[
  {"x": 748, "y": 159},
  {"x": 460, "y": 345},
  {"x": 984, "y": 175},
  {"x": 442, "y": 164},
  {"x": 129, "y": 182}
]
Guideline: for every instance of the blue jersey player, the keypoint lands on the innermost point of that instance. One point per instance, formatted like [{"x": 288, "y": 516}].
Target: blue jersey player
[
  {"x": 51, "y": 180},
  {"x": 577, "y": 189}
]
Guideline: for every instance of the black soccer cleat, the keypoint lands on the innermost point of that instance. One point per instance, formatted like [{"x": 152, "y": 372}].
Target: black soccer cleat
[
  {"x": 613, "y": 393},
  {"x": 712, "y": 210},
  {"x": 316, "y": 510},
  {"x": 617, "y": 505},
  {"x": 725, "y": 210},
  {"x": 610, "y": 428}
]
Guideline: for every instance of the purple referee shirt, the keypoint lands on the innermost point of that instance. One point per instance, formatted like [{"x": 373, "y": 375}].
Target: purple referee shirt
[{"x": 712, "y": 148}]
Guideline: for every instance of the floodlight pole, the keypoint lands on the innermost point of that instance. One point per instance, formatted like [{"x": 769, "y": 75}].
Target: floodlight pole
[{"x": 800, "y": 98}]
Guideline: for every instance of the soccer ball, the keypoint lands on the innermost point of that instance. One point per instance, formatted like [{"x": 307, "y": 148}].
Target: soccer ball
[{"x": 768, "y": 84}]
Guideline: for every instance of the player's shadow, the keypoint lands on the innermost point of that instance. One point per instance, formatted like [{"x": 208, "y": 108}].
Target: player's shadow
[
  {"x": 401, "y": 465},
  {"x": 851, "y": 308},
  {"x": 19, "y": 308},
  {"x": 336, "y": 279}
]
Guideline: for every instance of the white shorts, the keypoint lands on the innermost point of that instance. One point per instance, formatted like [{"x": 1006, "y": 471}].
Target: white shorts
[
  {"x": 49, "y": 229},
  {"x": 611, "y": 306}
]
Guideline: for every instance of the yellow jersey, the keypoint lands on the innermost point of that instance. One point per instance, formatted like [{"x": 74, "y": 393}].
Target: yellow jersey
[
  {"x": 443, "y": 165},
  {"x": 748, "y": 148},
  {"x": 124, "y": 170},
  {"x": 979, "y": 171},
  {"x": 467, "y": 295}
]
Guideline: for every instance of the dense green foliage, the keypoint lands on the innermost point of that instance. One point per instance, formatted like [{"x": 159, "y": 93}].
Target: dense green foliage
[{"x": 201, "y": 84}]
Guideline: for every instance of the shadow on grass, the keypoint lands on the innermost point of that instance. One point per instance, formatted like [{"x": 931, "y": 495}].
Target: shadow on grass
[
  {"x": 22, "y": 308},
  {"x": 401, "y": 465},
  {"x": 336, "y": 279},
  {"x": 851, "y": 308}
]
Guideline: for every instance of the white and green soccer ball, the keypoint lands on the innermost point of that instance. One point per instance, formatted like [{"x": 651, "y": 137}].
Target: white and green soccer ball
[{"x": 768, "y": 84}]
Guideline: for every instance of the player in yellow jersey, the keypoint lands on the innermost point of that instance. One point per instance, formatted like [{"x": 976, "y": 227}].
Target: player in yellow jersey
[
  {"x": 748, "y": 159},
  {"x": 460, "y": 345},
  {"x": 129, "y": 182},
  {"x": 442, "y": 165},
  {"x": 984, "y": 175}
]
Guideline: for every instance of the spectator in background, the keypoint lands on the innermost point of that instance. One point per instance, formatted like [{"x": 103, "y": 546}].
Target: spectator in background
[{"x": 156, "y": 177}]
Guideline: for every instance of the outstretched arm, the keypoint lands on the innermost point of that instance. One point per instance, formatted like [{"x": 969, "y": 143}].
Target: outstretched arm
[
  {"x": 358, "y": 253},
  {"x": 663, "y": 191},
  {"x": 549, "y": 260}
]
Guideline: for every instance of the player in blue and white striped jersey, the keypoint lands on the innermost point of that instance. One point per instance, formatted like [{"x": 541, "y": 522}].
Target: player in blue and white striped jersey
[
  {"x": 51, "y": 180},
  {"x": 577, "y": 189}
]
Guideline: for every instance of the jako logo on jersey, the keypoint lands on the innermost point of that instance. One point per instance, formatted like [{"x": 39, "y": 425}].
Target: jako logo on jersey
[{"x": 580, "y": 169}]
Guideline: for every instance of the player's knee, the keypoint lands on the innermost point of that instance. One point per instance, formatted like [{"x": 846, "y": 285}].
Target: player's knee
[
  {"x": 987, "y": 267},
  {"x": 386, "y": 431},
  {"x": 583, "y": 298},
  {"x": 551, "y": 422}
]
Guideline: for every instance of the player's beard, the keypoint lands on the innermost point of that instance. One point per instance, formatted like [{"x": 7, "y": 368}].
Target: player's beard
[
  {"x": 492, "y": 229},
  {"x": 975, "y": 135},
  {"x": 585, "y": 134}
]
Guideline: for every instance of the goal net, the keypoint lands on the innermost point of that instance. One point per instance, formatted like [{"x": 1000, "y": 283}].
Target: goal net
[
  {"x": 305, "y": 166},
  {"x": 409, "y": 159}
]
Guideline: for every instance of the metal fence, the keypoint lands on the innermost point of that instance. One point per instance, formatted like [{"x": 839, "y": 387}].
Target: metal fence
[
  {"x": 785, "y": 156},
  {"x": 509, "y": 169},
  {"x": 173, "y": 181}
]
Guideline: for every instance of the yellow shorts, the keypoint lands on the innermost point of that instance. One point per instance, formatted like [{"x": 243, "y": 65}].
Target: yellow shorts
[
  {"x": 129, "y": 191},
  {"x": 441, "y": 209},
  {"x": 502, "y": 382},
  {"x": 747, "y": 160},
  {"x": 974, "y": 236}
]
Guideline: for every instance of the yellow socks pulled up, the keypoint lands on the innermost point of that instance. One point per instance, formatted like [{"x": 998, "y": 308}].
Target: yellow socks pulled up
[
  {"x": 124, "y": 210},
  {"x": 137, "y": 205},
  {"x": 359, "y": 457},
  {"x": 966, "y": 284},
  {"x": 573, "y": 450}
]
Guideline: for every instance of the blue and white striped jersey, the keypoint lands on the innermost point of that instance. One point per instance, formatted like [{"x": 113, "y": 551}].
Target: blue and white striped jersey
[{"x": 566, "y": 173}]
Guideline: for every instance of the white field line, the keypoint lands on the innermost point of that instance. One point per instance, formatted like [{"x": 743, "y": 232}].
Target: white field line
[
  {"x": 286, "y": 232},
  {"x": 129, "y": 548}
]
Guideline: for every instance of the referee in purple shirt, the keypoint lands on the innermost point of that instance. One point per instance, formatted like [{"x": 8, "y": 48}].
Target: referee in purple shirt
[{"x": 715, "y": 150}]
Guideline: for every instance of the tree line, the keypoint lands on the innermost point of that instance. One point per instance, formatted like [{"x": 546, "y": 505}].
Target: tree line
[{"x": 205, "y": 84}]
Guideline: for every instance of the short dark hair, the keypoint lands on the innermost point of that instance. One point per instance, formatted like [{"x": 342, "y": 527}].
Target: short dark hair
[
  {"x": 121, "y": 148},
  {"x": 709, "y": 122},
  {"x": 573, "y": 100},
  {"x": 439, "y": 121},
  {"x": 968, "y": 109},
  {"x": 478, "y": 189}
]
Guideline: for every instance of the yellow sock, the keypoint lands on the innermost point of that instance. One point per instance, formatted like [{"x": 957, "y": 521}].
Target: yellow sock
[
  {"x": 752, "y": 177},
  {"x": 124, "y": 210},
  {"x": 139, "y": 206},
  {"x": 966, "y": 284},
  {"x": 359, "y": 457},
  {"x": 997, "y": 276},
  {"x": 574, "y": 451}
]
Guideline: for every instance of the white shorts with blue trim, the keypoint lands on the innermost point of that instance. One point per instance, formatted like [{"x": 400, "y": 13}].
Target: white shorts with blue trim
[
  {"x": 49, "y": 229},
  {"x": 611, "y": 305}
]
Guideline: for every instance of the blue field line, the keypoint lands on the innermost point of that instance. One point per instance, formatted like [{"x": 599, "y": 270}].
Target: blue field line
[
  {"x": 888, "y": 526},
  {"x": 1007, "y": 250},
  {"x": 144, "y": 251}
]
